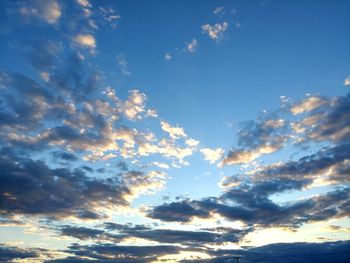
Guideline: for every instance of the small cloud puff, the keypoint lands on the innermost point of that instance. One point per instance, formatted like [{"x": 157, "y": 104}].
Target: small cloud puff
[
  {"x": 49, "y": 11},
  {"x": 347, "y": 81},
  {"x": 174, "y": 132},
  {"x": 192, "y": 47},
  {"x": 167, "y": 56},
  {"x": 85, "y": 40},
  {"x": 215, "y": 32}
]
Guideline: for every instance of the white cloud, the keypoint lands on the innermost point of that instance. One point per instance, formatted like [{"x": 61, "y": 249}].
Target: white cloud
[
  {"x": 174, "y": 132},
  {"x": 216, "y": 31},
  {"x": 307, "y": 105},
  {"x": 161, "y": 165},
  {"x": 192, "y": 47},
  {"x": 246, "y": 156},
  {"x": 212, "y": 155},
  {"x": 168, "y": 56},
  {"x": 347, "y": 81},
  {"x": 85, "y": 40},
  {"x": 192, "y": 142},
  {"x": 45, "y": 76},
  {"x": 49, "y": 11}
]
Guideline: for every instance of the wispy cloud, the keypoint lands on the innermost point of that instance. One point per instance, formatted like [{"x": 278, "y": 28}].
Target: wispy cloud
[
  {"x": 123, "y": 64},
  {"x": 192, "y": 46},
  {"x": 347, "y": 81}
]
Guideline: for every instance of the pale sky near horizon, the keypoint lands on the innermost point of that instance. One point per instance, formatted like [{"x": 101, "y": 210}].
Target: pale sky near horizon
[{"x": 182, "y": 131}]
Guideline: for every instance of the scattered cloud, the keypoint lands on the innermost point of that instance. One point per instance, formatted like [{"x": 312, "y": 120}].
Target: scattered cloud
[
  {"x": 215, "y": 32},
  {"x": 308, "y": 104},
  {"x": 168, "y": 56},
  {"x": 85, "y": 40},
  {"x": 212, "y": 155},
  {"x": 84, "y": 3},
  {"x": 192, "y": 46},
  {"x": 219, "y": 10}
]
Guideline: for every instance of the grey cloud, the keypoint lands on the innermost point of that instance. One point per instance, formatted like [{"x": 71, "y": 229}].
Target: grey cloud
[
  {"x": 170, "y": 236},
  {"x": 122, "y": 253},
  {"x": 327, "y": 252},
  {"x": 252, "y": 206},
  {"x": 9, "y": 253},
  {"x": 31, "y": 187}
]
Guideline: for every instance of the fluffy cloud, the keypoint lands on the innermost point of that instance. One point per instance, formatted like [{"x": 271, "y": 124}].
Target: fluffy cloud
[
  {"x": 215, "y": 32},
  {"x": 123, "y": 64},
  {"x": 85, "y": 40},
  {"x": 174, "y": 132},
  {"x": 212, "y": 155},
  {"x": 49, "y": 11}
]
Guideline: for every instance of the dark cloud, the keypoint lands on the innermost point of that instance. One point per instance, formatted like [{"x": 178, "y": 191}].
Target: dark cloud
[
  {"x": 252, "y": 206},
  {"x": 327, "y": 252},
  {"x": 117, "y": 232},
  {"x": 181, "y": 211},
  {"x": 81, "y": 232},
  {"x": 120, "y": 253},
  {"x": 65, "y": 156},
  {"x": 31, "y": 187},
  {"x": 7, "y": 253},
  {"x": 330, "y": 122}
]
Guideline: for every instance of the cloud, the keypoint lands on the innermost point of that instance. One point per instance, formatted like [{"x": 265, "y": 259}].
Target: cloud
[
  {"x": 307, "y": 105},
  {"x": 254, "y": 208},
  {"x": 31, "y": 187},
  {"x": 192, "y": 142},
  {"x": 174, "y": 132},
  {"x": 85, "y": 40},
  {"x": 256, "y": 138},
  {"x": 123, "y": 64},
  {"x": 212, "y": 155},
  {"x": 151, "y": 113},
  {"x": 120, "y": 253},
  {"x": 246, "y": 156},
  {"x": 215, "y": 32},
  {"x": 117, "y": 232},
  {"x": 301, "y": 252},
  {"x": 219, "y": 10},
  {"x": 192, "y": 46},
  {"x": 134, "y": 105},
  {"x": 167, "y": 56},
  {"x": 10, "y": 253},
  {"x": 66, "y": 156},
  {"x": 84, "y": 3},
  {"x": 347, "y": 81},
  {"x": 49, "y": 11}
]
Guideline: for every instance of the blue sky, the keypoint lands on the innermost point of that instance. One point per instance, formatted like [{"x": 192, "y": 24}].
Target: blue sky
[{"x": 176, "y": 131}]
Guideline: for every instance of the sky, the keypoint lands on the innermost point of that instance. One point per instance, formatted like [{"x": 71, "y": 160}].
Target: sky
[{"x": 174, "y": 131}]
